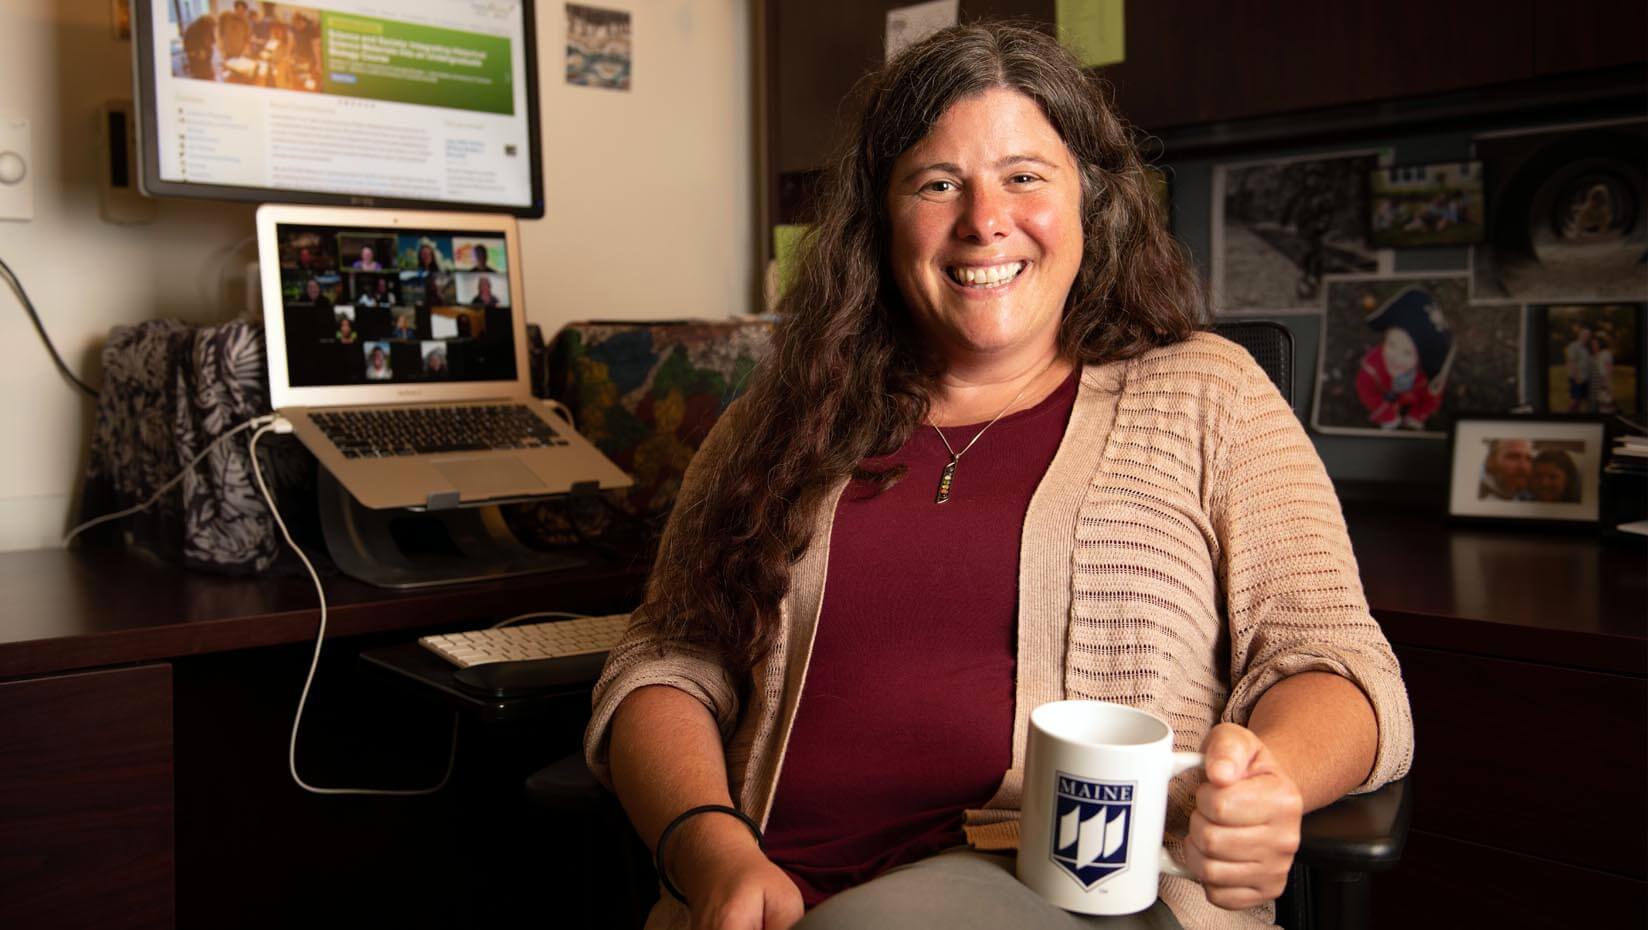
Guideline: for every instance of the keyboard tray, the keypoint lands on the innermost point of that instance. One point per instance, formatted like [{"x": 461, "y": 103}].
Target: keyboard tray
[{"x": 533, "y": 676}]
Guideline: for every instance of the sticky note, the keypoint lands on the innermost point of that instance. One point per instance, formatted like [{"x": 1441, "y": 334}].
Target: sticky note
[
  {"x": 787, "y": 252},
  {"x": 1095, "y": 30}
]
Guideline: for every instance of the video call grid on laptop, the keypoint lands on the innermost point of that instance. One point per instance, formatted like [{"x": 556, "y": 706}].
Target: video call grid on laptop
[
  {"x": 399, "y": 299},
  {"x": 383, "y": 309}
]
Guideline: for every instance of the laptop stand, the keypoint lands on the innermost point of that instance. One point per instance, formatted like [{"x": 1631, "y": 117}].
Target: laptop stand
[{"x": 411, "y": 549}]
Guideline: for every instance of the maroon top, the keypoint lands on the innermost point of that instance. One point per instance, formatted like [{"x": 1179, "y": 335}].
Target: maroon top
[{"x": 907, "y": 716}]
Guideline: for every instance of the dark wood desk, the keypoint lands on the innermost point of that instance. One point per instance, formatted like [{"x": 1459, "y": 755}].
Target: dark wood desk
[
  {"x": 144, "y": 714},
  {"x": 1525, "y": 656}
]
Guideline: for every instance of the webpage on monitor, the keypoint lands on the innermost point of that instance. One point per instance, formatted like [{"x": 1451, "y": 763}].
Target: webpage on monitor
[{"x": 414, "y": 99}]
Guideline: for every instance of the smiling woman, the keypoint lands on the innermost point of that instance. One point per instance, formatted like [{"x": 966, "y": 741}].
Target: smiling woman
[
  {"x": 986, "y": 238},
  {"x": 822, "y": 704}
]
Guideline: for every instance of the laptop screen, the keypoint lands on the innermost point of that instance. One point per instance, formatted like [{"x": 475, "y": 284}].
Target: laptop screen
[{"x": 364, "y": 305}]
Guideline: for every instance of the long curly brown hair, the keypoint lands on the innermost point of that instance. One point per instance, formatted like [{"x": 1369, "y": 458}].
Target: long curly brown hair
[{"x": 848, "y": 378}]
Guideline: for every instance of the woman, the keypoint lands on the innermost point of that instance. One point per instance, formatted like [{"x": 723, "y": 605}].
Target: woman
[
  {"x": 483, "y": 294},
  {"x": 992, "y": 315},
  {"x": 1602, "y": 371},
  {"x": 437, "y": 283},
  {"x": 434, "y": 364},
  {"x": 312, "y": 293},
  {"x": 1554, "y": 478}
]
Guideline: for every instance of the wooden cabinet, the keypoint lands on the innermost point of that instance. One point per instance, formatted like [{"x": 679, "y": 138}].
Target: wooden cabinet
[
  {"x": 1191, "y": 63},
  {"x": 1594, "y": 34},
  {"x": 1527, "y": 785},
  {"x": 86, "y": 800},
  {"x": 1522, "y": 652}
]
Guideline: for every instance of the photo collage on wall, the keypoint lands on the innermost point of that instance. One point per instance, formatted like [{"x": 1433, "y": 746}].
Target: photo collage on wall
[
  {"x": 1401, "y": 355},
  {"x": 1280, "y": 227},
  {"x": 1557, "y": 281},
  {"x": 379, "y": 305}
]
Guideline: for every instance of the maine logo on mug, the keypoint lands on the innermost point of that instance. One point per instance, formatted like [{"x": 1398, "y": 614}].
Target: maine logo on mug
[
  {"x": 1090, "y": 825},
  {"x": 1095, "y": 800}
]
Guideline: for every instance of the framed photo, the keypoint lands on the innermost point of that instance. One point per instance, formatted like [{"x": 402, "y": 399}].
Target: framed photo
[
  {"x": 1569, "y": 222},
  {"x": 1590, "y": 358},
  {"x": 1411, "y": 206},
  {"x": 1402, "y": 354},
  {"x": 1527, "y": 468},
  {"x": 1281, "y": 226}
]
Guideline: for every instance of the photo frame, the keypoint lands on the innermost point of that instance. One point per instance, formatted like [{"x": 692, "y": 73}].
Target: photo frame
[
  {"x": 1280, "y": 226},
  {"x": 1401, "y": 355},
  {"x": 1589, "y": 357},
  {"x": 1426, "y": 205},
  {"x": 1527, "y": 469},
  {"x": 1568, "y": 213}
]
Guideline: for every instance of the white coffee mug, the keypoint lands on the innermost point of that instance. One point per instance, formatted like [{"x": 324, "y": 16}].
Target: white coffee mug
[{"x": 1095, "y": 802}]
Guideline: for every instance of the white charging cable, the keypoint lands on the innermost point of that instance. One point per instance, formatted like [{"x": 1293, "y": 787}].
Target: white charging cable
[
  {"x": 278, "y": 424},
  {"x": 561, "y": 410},
  {"x": 182, "y": 473},
  {"x": 557, "y": 614}
]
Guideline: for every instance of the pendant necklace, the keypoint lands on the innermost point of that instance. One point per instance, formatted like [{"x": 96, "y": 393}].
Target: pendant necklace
[{"x": 949, "y": 476}]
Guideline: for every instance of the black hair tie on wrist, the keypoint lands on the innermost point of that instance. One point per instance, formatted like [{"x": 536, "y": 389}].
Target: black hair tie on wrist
[{"x": 663, "y": 840}]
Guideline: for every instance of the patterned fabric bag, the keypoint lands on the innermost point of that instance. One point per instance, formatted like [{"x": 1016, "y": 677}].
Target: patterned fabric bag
[{"x": 169, "y": 390}]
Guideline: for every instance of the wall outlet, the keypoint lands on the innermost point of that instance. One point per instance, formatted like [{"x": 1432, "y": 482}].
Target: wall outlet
[
  {"x": 17, "y": 170},
  {"x": 119, "y": 199}
]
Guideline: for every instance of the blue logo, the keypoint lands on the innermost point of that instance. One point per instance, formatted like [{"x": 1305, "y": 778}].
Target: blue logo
[{"x": 1091, "y": 824}]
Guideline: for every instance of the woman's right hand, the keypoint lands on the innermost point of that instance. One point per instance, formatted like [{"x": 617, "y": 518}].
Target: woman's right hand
[{"x": 729, "y": 882}]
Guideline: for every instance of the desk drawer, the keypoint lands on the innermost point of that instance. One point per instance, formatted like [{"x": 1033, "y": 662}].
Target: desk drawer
[
  {"x": 1445, "y": 884},
  {"x": 86, "y": 800},
  {"x": 1541, "y": 760}
]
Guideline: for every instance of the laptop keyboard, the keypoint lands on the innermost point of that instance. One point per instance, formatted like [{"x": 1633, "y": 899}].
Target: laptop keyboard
[{"x": 424, "y": 430}]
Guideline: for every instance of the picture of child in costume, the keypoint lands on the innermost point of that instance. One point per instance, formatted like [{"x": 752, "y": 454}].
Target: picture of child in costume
[{"x": 1403, "y": 376}]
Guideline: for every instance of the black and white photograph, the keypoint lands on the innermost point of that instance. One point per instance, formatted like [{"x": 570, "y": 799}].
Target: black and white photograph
[
  {"x": 1414, "y": 206},
  {"x": 1280, "y": 227},
  {"x": 1565, "y": 214},
  {"x": 1526, "y": 469},
  {"x": 1402, "y": 355}
]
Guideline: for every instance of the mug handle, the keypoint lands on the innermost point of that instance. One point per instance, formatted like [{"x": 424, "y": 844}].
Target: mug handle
[{"x": 1182, "y": 761}]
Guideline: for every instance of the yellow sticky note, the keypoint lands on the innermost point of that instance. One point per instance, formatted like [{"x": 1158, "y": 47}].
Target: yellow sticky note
[
  {"x": 787, "y": 253},
  {"x": 1095, "y": 30}
]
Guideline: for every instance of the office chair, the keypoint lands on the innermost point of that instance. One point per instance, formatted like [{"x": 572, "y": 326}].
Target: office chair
[
  {"x": 1271, "y": 345},
  {"x": 1329, "y": 887}
]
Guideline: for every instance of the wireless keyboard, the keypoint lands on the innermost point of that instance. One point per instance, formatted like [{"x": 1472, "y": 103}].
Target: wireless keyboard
[{"x": 528, "y": 641}]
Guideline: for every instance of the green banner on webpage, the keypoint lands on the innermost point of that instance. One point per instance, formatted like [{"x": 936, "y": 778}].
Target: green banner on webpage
[{"x": 409, "y": 63}]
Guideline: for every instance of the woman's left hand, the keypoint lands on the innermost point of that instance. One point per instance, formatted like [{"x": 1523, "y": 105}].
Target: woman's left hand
[{"x": 1245, "y": 828}]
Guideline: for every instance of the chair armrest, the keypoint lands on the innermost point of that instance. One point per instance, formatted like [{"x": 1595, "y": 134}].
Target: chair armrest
[
  {"x": 1358, "y": 832},
  {"x": 566, "y": 786}
]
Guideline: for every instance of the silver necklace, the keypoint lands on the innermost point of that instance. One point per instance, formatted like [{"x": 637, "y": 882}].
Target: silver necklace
[{"x": 949, "y": 476}]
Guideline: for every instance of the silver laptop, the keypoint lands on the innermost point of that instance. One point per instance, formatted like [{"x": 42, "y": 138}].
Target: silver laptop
[{"x": 397, "y": 350}]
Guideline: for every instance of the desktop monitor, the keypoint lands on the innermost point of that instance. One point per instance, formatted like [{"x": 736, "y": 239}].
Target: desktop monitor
[{"x": 424, "y": 104}]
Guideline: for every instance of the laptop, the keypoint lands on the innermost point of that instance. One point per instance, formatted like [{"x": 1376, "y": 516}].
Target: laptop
[{"x": 397, "y": 350}]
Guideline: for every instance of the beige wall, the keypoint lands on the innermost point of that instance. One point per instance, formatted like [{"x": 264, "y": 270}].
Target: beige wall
[{"x": 649, "y": 215}]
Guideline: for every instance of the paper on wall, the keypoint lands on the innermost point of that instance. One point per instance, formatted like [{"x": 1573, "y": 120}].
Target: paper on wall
[
  {"x": 908, "y": 25},
  {"x": 1095, "y": 30}
]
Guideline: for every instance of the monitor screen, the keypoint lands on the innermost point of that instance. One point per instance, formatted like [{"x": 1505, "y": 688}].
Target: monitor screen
[
  {"x": 365, "y": 305},
  {"x": 403, "y": 103}
]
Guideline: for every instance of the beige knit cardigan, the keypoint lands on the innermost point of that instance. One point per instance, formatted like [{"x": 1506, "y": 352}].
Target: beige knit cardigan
[{"x": 1184, "y": 552}]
